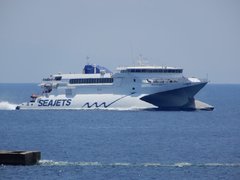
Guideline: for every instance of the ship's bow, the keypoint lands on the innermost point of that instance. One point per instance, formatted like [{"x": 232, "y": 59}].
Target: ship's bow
[{"x": 179, "y": 99}]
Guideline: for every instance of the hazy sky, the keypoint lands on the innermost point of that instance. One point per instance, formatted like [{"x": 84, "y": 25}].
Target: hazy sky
[{"x": 43, "y": 37}]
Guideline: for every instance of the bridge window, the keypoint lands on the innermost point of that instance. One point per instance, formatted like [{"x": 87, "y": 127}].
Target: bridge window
[{"x": 152, "y": 71}]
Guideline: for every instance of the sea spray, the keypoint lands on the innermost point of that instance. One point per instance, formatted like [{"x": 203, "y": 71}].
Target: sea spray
[{"x": 4, "y": 105}]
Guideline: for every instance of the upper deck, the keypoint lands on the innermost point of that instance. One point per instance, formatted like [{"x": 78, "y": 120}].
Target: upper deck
[
  {"x": 97, "y": 75},
  {"x": 150, "y": 69},
  {"x": 91, "y": 74}
]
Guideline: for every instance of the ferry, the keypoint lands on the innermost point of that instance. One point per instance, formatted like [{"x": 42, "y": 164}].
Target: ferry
[{"x": 130, "y": 88}]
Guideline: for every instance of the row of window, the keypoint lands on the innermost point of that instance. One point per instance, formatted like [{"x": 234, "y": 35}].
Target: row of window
[
  {"x": 152, "y": 71},
  {"x": 57, "y": 78},
  {"x": 91, "y": 80}
]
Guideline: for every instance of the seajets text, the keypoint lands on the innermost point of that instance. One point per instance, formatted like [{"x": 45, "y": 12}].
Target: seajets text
[{"x": 57, "y": 102}]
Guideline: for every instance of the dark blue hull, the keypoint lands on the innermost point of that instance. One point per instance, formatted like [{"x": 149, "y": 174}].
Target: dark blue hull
[{"x": 178, "y": 99}]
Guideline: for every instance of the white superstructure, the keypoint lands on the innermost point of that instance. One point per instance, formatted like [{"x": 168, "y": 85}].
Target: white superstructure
[{"x": 135, "y": 87}]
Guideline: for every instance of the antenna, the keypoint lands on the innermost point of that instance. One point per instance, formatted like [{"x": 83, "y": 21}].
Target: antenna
[
  {"x": 142, "y": 61},
  {"x": 132, "y": 55}
]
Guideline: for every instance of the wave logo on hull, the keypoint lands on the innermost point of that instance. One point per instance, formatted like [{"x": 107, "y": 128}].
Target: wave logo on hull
[
  {"x": 104, "y": 104},
  {"x": 96, "y": 105}
]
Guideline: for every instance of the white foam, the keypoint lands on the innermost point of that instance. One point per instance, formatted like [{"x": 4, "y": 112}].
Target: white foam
[
  {"x": 120, "y": 164},
  {"x": 66, "y": 163},
  {"x": 182, "y": 164},
  {"x": 151, "y": 164},
  {"x": 126, "y": 164},
  {"x": 223, "y": 164},
  {"x": 4, "y": 105}
]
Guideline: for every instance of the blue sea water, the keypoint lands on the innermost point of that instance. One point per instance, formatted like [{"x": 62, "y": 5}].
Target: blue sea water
[{"x": 99, "y": 144}]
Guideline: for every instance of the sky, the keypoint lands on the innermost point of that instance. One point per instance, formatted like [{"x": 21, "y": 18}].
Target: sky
[{"x": 40, "y": 38}]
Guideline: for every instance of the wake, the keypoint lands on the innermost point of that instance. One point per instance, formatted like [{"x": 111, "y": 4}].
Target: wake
[{"x": 4, "y": 105}]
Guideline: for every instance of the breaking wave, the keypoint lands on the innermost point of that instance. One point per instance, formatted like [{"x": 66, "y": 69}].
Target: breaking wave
[
  {"x": 4, "y": 105},
  {"x": 123, "y": 164}
]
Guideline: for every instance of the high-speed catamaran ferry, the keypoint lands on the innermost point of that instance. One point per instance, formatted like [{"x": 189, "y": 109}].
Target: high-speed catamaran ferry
[{"x": 133, "y": 87}]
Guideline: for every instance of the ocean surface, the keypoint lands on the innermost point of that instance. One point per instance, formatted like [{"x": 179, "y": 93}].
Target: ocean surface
[{"x": 102, "y": 144}]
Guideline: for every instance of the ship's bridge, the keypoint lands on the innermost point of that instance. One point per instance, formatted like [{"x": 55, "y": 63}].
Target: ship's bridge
[{"x": 150, "y": 69}]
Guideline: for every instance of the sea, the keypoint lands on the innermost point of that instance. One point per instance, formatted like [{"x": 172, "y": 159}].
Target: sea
[{"x": 116, "y": 144}]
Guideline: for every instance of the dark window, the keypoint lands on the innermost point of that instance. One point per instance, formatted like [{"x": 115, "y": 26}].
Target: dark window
[
  {"x": 91, "y": 81},
  {"x": 152, "y": 71},
  {"x": 58, "y": 78}
]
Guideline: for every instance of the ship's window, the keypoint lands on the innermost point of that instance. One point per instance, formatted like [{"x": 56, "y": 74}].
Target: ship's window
[
  {"x": 152, "y": 71},
  {"x": 58, "y": 78},
  {"x": 179, "y": 70},
  {"x": 91, "y": 81}
]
